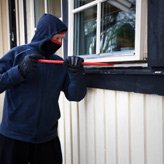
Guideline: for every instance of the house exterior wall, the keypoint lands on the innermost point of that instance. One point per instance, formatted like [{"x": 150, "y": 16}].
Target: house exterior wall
[
  {"x": 107, "y": 127},
  {"x": 112, "y": 127},
  {"x": 4, "y": 27},
  {"x": 4, "y": 37}
]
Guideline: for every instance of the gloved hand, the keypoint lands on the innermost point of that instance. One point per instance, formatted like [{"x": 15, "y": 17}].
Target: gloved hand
[
  {"x": 74, "y": 63},
  {"x": 29, "y": 64}
]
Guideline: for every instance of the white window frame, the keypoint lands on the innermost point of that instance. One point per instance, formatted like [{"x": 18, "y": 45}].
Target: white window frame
[{"x": 140, "y": 52}]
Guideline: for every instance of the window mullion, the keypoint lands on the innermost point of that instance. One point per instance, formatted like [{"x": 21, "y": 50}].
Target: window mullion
[
  {"x": 45, "y": 6},
  {"x": 98, "y": 28},
  {"x": 70, "y": 25},
  {"x": 81, "y": 8},
  {"x": 20, "y": 22},
  {"x": 30, "y": 19}
]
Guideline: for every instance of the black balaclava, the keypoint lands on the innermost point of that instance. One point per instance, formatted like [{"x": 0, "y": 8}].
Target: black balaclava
[
  {"x": 49, "y": 47},
  {"x": 47, "y": 27}
]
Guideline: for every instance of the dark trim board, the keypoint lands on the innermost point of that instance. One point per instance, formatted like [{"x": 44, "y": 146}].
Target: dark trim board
[
  {"x": 12, "y": 24},
  {"x": 156, "y": 33},
  {"x": 148, "y": 84},
  {"x": 140, "y": 80}
]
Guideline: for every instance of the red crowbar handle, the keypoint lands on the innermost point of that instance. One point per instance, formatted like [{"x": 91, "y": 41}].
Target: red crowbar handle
[{"x": 84, "y": 63}]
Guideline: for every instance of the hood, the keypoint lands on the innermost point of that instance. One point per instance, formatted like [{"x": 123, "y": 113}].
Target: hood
[{"x": 47, "y": 26}]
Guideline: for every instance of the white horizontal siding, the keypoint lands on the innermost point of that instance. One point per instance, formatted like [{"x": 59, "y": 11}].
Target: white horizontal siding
[{"x": 112, "y": 127}]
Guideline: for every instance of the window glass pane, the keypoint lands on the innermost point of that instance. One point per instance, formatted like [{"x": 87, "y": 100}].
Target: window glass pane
[
  {"x": 38, "y": 9},
  {"x": 117, "y": 26},
  {"x": 79, "y": 3},
  {"x": 54, "y": 7},
  {"x": 85, "y": 32}
]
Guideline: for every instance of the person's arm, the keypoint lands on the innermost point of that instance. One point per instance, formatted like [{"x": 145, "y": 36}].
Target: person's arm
[
  {"x": 9, "y": 74},
  {"x": 75, "y": 85},
  {"x": 12, "y": 75}
]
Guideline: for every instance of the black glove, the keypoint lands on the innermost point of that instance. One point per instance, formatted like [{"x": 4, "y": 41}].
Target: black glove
[
  {"x": 74, "y": 63},
  {"x": 29, "y": 64}
]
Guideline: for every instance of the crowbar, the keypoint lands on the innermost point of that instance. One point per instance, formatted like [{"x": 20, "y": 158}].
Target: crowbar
[{"x": 84, "y": 63}]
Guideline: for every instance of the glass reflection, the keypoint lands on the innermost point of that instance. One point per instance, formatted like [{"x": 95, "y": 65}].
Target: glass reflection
[
  {"x": 117, "y": 28},
  {"x": 85, "y": 32},
  {"x": 79, "y": 3}
]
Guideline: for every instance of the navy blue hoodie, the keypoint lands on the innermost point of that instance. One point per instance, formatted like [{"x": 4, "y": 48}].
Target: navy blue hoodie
[{"x": 31, "y": 109}]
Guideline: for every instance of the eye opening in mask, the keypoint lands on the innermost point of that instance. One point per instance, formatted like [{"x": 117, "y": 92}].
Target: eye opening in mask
[{"x": 58, "y": 38}]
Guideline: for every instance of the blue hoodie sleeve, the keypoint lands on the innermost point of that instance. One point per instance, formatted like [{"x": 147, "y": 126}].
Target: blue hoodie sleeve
[
  {"x": 9, "y": 74},
  {"x": 75, "y": 86}
]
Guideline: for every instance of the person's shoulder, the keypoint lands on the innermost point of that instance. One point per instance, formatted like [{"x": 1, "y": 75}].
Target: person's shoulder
[{"x": 19, "y": 49}]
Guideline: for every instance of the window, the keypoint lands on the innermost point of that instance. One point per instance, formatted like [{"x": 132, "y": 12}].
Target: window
[
  {"x": 109, "y": 30},
  {"x": 140, "y": 79}
]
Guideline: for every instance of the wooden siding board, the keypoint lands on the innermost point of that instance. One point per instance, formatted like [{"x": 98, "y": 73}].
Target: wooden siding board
[
  {"x": 4, "y": 28},
  {"x": 75, "y": 132},
  {"x": 82, "y": 132},
  {"x": 1, "y": 29},
  {"x": 1, "y": 105},
  {"x": 4, "y": 39},
  {"x": 68, "y": 132},
  {"x": 99, "y": 127},
  {"x": 154, "y": 127},
  {"x": 90, "y": 121},
  {"x": 137, "y": 128},
  {"x": 123, "y": 155},
  {"x": 61, "y": 128},
  {"x": 110, "y": 127}
]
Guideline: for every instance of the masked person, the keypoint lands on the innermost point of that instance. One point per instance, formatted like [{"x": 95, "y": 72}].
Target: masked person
[{"x": 28, "y": 131}]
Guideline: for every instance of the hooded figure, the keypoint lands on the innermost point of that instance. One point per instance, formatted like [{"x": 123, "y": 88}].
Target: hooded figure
[
  {"x": 32, "y": 89},
  {"x": 47, "y": 27}
]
